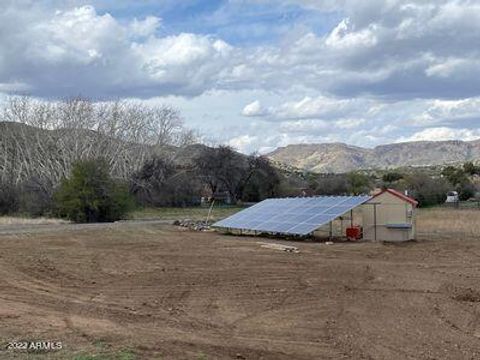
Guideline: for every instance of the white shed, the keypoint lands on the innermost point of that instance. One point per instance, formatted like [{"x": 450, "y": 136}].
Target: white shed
[{"x": 389, "y": 216}]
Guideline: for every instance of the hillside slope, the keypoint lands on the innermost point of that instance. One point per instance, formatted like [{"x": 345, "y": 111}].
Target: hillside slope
[{"x": 339, "y": 157}]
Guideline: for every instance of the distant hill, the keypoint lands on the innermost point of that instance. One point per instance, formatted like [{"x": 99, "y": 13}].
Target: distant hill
[{"x": 339, "y": 157}]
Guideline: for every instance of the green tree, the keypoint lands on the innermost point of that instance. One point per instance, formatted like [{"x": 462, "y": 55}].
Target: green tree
[
  {"x": 460, "y": 180},
  {"x": 91, "y": 195},
  {"x": 224, "y": 169},
  {"x": 265, "y": 181},
  {"x": 391, "y": 177},
  {"x": 470, "y": 168},
  {"x": 466, "y": 191},
  {"x": 455, "y": 176},
  {"x": 426, "y": 190},
  {"x": 358, "y": 183}
]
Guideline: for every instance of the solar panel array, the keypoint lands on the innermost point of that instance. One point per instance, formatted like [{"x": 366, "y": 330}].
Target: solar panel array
[{"x": 293, "y": 216}]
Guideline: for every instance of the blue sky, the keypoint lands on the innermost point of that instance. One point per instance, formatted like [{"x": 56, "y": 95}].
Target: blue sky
[
  {"x": 240, "y": 23},
  {"x": 258, "y": 74}
]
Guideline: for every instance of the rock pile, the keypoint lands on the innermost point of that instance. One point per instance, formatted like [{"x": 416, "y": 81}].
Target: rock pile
[{"x": 196, "y": 225}]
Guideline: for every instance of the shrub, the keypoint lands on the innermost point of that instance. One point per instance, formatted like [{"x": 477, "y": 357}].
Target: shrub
[
  {"x": 471, "y": 169},
  {"x": 36, "y": 197},
  {"x": 455, "y": 176},
  {"x": 358, "y": 183},
  {"x": 161, "y": 183},
  {"x": 9, "y": 199},
  {"x": 426, "y": 190},
  {"x": 466, "y": 191},
  {"x": 391, "y": 177},
  {"x": 90, "y": 195},
  {"x": 332, "y": 185},
  {"x": 265, "y": 181}
]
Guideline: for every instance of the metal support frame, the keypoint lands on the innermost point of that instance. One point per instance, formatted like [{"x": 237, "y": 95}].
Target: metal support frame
[{"x": 374, "y": 219}]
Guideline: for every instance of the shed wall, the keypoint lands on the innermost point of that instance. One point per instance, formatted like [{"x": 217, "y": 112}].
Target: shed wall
[{"x": 390, "y": 210}]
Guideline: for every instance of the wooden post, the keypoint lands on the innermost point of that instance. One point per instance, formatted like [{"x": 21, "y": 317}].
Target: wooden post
[
  {"x": 375, "y": 221},
  {"x": 209, "y": 212},
  {"x": 351, "y": 218},
  {"x": 331, "y": 230}
]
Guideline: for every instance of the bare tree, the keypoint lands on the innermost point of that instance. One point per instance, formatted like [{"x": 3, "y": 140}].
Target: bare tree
[
  {"x": 42, "y": 140},
  {"x": 223, "y": 169},
  {"x": 161, "y": 183}
]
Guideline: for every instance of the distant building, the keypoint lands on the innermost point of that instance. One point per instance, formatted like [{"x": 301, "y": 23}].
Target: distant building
[
  {"x": 452, "y": 197},
  {"x": 220, "y": 196}
]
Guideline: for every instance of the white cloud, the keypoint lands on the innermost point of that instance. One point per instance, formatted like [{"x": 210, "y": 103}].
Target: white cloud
[
  {"x": 386, "y": 48},
  {"x": 255, "y": 108},
  {"x": 443, "y": 133},
  {"x": 320, "y": 107},
  {"x": 78, "y": 36},
  {"x": 310, "y": 108},
  {"x": 72, "y": 51},
  {"x": 349, "y": 123},
  {"x": 185, "y": 63},
  {"x": 385, "y": 70},
  {"x": 243, "y": 143},
  {"x": 446, "y": 68},
  {"x": 342, "y": 37},
  {"x": 448, "y": 112},
  {"x": 13, "y": 87},
  {"x": 453, "y": 68},
  {"x": 304, "y": 127},
  {"x": 146, "y": 27},
  {"x": 320, "y": 126}
]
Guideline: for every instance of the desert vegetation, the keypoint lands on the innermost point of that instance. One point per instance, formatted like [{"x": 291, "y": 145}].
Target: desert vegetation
[
  {"x": 145, "y": 150},
  {"x": 428, "y": 186},
  {"x": 89, "y": 194},
  {"x": 158, "y": 162},
  {"x": 40, "y": 141}
]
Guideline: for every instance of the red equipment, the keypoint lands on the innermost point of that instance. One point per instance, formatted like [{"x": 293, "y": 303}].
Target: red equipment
[{"x": 354, "y": 233}]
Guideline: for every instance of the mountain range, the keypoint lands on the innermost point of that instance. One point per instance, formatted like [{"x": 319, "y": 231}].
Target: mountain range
[
  {"x": 340, "y": 157},
  {"x": 319, "y": 158}
]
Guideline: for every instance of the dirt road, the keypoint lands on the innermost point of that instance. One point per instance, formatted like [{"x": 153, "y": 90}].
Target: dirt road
[{"x": 155, "y": 291}]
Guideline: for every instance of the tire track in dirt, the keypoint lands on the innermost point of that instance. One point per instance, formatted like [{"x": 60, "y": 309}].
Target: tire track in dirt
[{"x": 179, "y": 293}]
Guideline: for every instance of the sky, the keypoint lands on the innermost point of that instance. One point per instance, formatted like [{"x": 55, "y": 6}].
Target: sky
[{"x": 259, "y": 74}]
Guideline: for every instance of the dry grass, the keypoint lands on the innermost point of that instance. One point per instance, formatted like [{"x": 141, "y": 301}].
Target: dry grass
[
  {"x": 431, "y": 223},
  {"x": 10, "y": 220},
  {"x": 193, "y": 213},
  {"x": 448, "y": 222}
]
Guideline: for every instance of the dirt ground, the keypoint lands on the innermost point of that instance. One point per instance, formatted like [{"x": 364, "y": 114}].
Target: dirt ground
[{"x": 155, "y": 291}]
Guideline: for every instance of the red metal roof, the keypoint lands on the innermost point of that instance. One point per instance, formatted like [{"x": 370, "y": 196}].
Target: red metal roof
[{"x": 399, "y": 195}]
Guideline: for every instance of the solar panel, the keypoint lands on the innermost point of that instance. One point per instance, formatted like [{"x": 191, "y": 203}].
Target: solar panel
[{"x": 294, "y": 216}]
